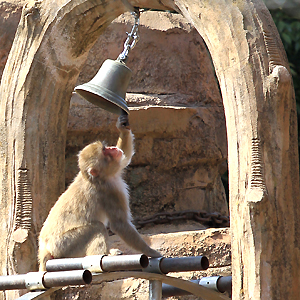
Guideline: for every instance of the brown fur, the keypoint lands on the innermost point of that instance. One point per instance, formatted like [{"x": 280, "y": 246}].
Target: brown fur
[{"x": 75, "y": 226}]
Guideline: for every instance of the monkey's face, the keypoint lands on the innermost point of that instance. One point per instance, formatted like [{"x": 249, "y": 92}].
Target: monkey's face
[
  {"x": 112, "y": 153},
  {"x": 97, "y": 161}
]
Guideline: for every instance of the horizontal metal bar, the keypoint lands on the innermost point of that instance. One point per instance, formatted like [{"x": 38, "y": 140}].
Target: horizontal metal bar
[
  {"x": 99, "y": 263},
  {"x": 224, "y": 284},
  {"x": 124, "y": 262},
  {"x": 169, "y": 290},
  {"x": 64, "y": 278},
  {"x": 12, "y": 282},
  {"x": 217, "y": 283},
  {"x": 184, "y": 264},
  {"x": 34, "y": 281},
  {"x": 164, "y": 265},
  {"x": 195, "y": 289},
  {"x": 48, "y": 279},
  {"x": 64, "y": 264}
]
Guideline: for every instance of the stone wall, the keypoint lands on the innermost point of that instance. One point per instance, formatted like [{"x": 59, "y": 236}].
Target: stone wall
[
  {"x": 10, "y": 13},
  {"x": 176, "y": 113}
]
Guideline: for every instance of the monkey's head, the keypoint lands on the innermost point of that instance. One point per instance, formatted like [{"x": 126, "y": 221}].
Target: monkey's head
[{"x": 97, "y": 161}]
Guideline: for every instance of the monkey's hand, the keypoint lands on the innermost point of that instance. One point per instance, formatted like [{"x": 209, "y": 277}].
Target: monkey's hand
[
  {"x": 125, "y": 141},
  {"x": 123, "y": 123},
  {"x": 152, "y": 253}
]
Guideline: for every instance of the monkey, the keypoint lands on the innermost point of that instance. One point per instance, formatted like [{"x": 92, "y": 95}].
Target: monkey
[{"x": 76, "y": 224}]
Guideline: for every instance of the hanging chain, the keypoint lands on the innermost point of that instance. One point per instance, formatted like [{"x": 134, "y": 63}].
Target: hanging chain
[
  {"x": 210, "y": 219},
  {"x": 132, "y": 37}
]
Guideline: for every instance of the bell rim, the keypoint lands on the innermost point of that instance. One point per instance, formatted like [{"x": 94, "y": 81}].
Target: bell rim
[{"x": 122, "y": 104}]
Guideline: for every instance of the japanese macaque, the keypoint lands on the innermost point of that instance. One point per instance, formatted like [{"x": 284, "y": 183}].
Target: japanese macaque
[{"x": 76, "y": 225}]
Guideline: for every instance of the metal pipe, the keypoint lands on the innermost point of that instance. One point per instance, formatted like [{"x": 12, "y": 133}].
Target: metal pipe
[
  {"x": 124, "y": 262},
  {"x": 218, "y": 283},
  {"x": 184, "y": 264},
  {"x": 53, "y": 279},
  {"x": 154, "y": 265},
  {"x": 34, "y": 281},
  {"x": 169, "y": 290},
  {"x": 210, "y": 282},
  {"x": 164, "y": 265},
  {"x": 12, "y": 282},
  {"x": 64, "y": 264},
  {"x": 92, "y": 263},
  {"x": 224, "y": 284},
  {"x": 99, "y": 263},
  {"x": 41, "y": 280},
  {"x": 155, "y": 290}
]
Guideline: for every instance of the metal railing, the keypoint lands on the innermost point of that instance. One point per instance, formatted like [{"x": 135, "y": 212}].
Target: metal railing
[{"x": 100, "y": 268}]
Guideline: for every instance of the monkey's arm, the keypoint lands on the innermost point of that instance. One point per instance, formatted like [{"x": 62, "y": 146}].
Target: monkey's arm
[
  {"x": 127, "y": 232},
  {"x": 118, "y": 213},
  {"x": 125, "y": 141}
]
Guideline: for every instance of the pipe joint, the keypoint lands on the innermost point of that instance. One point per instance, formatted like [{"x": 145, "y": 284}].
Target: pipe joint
[{"x": 35, "y": 281}]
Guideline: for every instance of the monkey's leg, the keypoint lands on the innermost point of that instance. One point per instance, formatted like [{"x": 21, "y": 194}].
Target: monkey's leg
[
  {"x": 78, "y": 242},
  {"x": 44, "y": 256},
  {"x": 85, "y": 240},
  {"x": 99, "y": 243}
]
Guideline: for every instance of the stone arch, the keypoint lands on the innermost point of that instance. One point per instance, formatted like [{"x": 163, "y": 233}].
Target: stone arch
[{"x": 47, "y": 55}]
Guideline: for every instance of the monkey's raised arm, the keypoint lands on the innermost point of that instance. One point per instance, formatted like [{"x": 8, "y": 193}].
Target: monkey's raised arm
[{"x": 125, "y": 141}]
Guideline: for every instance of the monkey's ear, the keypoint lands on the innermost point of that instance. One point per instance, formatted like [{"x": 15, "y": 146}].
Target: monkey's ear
[{"x": 93, "y": 172}]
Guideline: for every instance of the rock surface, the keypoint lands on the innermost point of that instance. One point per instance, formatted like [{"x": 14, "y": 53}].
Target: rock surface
[
  {"x": 176, "y": 114},
  {"x": 10, "y": 12}
]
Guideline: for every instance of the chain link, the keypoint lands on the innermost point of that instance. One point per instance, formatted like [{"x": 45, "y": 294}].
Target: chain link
[
  {"x": 132, "y": 37},
  {"x": 210, "y": 219}
]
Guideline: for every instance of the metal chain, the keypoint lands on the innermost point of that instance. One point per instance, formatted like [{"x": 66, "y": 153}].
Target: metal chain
[
  {"x": 132, "y": 37},
  {"x": 211, "y": 219}
]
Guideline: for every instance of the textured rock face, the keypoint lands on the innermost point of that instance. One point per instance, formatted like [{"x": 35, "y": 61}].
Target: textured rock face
[
  {"x": 176, "y": 114},
  {"x": 10, "y": 12}
]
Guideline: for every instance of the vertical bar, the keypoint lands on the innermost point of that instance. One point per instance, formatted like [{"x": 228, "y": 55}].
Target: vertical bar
[{"x": 155, "y": 290}]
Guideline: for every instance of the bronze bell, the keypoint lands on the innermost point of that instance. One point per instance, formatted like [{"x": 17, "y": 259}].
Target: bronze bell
[{"x": 108, "y": 88}]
